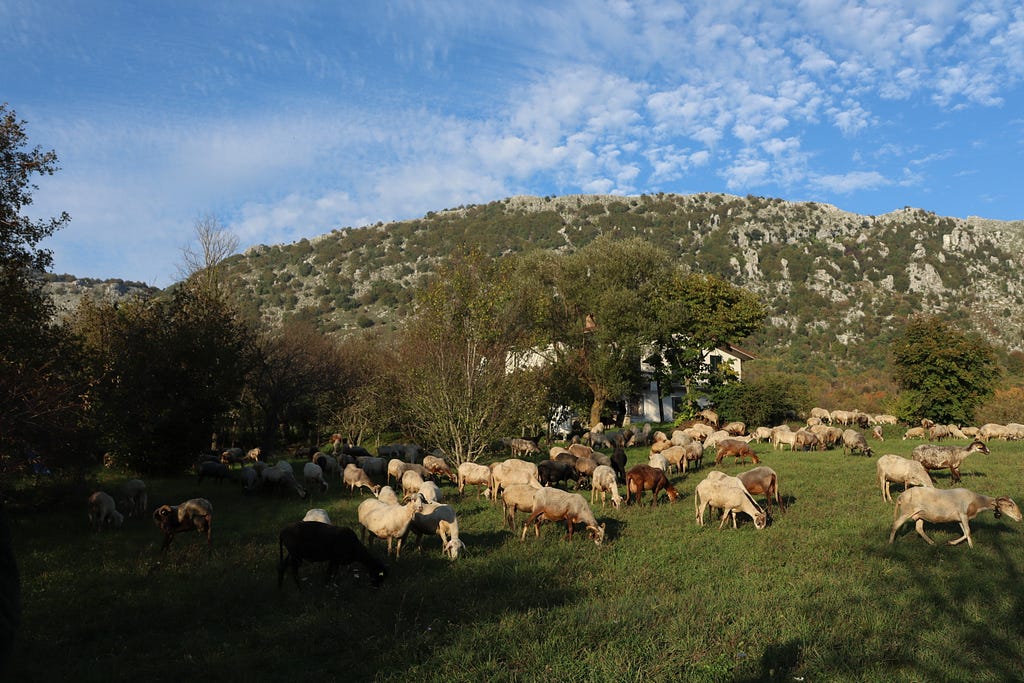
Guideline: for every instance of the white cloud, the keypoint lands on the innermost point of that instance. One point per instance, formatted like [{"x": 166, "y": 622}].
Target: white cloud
[{"x": 846, "y": 183}]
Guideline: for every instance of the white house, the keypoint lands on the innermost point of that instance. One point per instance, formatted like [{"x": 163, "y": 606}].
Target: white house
[{"x": 648, "y": 406}]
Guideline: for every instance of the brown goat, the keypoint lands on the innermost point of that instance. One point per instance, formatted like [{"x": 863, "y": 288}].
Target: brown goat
[
  {"x": 642, "y": 478},
  {"x": 734, "y": 447}
]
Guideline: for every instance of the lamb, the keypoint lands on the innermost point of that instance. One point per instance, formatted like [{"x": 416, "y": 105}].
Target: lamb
[
  {"x": 318, "y": 542},
  {"x": 134, "y": 498},
  {"x": 763, "y": 481},
  {"x": 517, "y": 497},
  {"x": 555, "y": 505},
  {"x": 731, "y": 496},
  {"x": 103, "y": 512},
  {"x": 385, "y": 520},
  {"x": 439, "y": 519},
  {"x": 355, "y": 477},
  {"x": 314, "y": 474},
  {"x": 855, "y": 441},
  {"x": 893, "y": 468},
  {"x": 604, "y": 480},
  {"x": 947, "y": 505},
  {"x": 642, "y": 478},
  {"x": 317, "y": 515},
  {"x": 195, "y": 513},
  {"x": 736, "y": 448},
  {"x": 941, "y": 457},
  {"x": 475, "y": 474}
]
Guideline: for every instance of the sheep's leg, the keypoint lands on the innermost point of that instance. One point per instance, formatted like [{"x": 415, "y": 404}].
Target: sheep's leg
[
  {"x": 966, "y": 528},
  {"x": 919, "y": 525},
  {"x": 955, "y": 472},
  {"x": 725, "y": 516}
]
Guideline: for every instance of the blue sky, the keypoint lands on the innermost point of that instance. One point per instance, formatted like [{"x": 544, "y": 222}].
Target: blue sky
[{"x": 289, "y": 119}]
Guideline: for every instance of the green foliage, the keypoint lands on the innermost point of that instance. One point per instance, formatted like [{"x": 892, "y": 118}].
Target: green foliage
[
  {"x": 944, "y": 374},
  {"x": 769, "y": 399}
]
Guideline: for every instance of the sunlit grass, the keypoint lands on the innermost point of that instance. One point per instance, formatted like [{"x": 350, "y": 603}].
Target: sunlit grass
[{"x": 819, "y": 594}]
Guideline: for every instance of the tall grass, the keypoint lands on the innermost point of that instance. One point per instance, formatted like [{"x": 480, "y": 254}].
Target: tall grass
[{"x": 818, "y": 595}]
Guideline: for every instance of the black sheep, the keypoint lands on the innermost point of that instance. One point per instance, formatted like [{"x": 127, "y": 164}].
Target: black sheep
[{"x": 319, "y": 542}]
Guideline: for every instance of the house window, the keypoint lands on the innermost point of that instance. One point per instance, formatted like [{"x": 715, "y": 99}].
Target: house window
[
  {"x": 716, "y": 361},
  {"x": 635, "y": 406}
]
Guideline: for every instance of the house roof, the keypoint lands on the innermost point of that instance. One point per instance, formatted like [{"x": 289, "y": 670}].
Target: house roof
[{"x": 736, "y": 351}]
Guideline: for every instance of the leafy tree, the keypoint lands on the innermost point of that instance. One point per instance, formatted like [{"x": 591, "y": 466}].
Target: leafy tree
[
  {"x": 945, "y": 375},
  {"x": 38, "y": 387},
  {"x": 457, "y": 388},
  {"x": 166, "y": 374},
  {"x": 770, "y": 399}
]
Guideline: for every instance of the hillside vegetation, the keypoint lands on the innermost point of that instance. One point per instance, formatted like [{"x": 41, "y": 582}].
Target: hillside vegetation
[{"x": 837, "y": 283}]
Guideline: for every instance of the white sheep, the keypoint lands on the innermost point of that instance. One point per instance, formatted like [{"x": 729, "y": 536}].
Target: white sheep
[
  {"x": 411, "y": 482},
  {"x": 103, "y": 511},
  {"x": 512, "y": 471},
  {"x": 354, "y": 477},
  {"x": 282, "y": 477},
  {"x": 475, "y": 474},
  {"x": 894, "y": 469},
  {"x": 317, "y": 515},
  {"x": 386, "y": 494},
  {"x": 437, "y": 466},
  {"x": 947, "y": 505},
  {"x": 604, "y": 481},
  {"x": 313, "y": 474},
  {"x": 134, "y": 497},
  {"x": 553, "y": 505},
  {"x": 396, "y": 468},
  {"x": 658, "y": 461},
  {"x": 436, "y": 518},
  {"x": 729, "y": 494},
  {"x": 431, "y": 492},
  {"x": 518, "y": 497},
  {"x": 387, "y": 521}
]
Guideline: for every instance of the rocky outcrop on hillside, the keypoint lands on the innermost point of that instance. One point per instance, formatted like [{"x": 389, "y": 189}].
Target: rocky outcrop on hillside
[{"x": 66, "y": 291}]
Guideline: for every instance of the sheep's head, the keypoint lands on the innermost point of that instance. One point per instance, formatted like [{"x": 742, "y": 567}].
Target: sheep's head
[
  {"x": 452, "y": 548},
  {"x": 978, "y": 447},
  {"x": 1006, "y": 506},
  {"x": 760, "y": 520},
  {"x": 597, "y": 533}
]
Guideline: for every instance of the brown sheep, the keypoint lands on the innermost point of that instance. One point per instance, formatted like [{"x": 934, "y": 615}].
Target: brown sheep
[
  {"x": 642, "y": 478},
  {"x": 736, "y": 448}
]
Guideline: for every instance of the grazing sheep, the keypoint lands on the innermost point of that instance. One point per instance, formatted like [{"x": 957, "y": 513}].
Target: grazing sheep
[
  {"x": 250, "y": 479},
  {"x": 430, "y": 491},
  {"x": 437, "y": 466},
  {"x": 317, "y": 515},
  {"x": 731, "y": 496},
  {"x": 783, "y": 435},
  {"x": 439, "y": 519},
  {"x": 522, "y": 447},
  {"x": 103, "y": 512},
  {"x": 762, "y": 434},
  {"x": 914, "y": 433},
  {"x": 213, "y": 470},
  {"x": 329, "y": 464},
  {"x": 642, "y": 478},
  {"x": 551, "y": 472},
  {"x": 319, "y": 542},
  {"x": 604, "y": 480},
  {"x": 585, "y": 470},
  {"x": 822, "y": 414},
  {"x": 830, "y": 436},
  {"x": 675, "y": 457},
  {"x": 619, "y": 459},
  {"x": 763, "y": 481},
  {"x": 680, "y": 438},
  {"x": 854, "y": 441},
  {"x": 641, "y": 437},
  {"x": 735, "y": 428},
  {"x": 807, "y": 441},
  {"x": 947, "y": 505},
  {"x": 876, "y": 433},
  {"x": 554, "y": 505},
  {"x": 195, "y": 513},
  {"x": 134, "y": 497},
  {"x": 313, "y": 474},
  {"x": 373, "y": 466},
  {"x": 741, "y": 450},
  {"x": 411, "y": 482},
  {"x": 894, "y": 469},
  {"x": 581, "y": 451},
  {"x": 993, "y": 431},
  {"x": 282, "y": 478},
  {"x": 715, "y": 438},
  {"x": 355, "y": 477},
  {"x": 232, "y": 456},
  {"x": 941, "y": 457},
  {"x": 516, "y": 497},
  {"x": 386, "y": 494},
  {"x": 511, "y": 471},
  {"x": 387, "y": 521},
  {"x": 657, "y": 461},
  {"x": 475, "y": 474}
]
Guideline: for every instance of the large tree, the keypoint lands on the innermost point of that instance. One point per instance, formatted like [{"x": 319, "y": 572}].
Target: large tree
[
  {"x": 604, "y": 308},
  {"x": 37, "y": 389},
  {"x": 457, "y": 385},
  {"x": 944, "y": 373}
]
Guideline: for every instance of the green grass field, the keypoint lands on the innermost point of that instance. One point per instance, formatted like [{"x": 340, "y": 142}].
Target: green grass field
[{"x": 817, "y": 596}]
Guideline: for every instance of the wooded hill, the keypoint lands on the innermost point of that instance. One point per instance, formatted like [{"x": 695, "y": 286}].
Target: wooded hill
[{"x": 838, "y": 284}]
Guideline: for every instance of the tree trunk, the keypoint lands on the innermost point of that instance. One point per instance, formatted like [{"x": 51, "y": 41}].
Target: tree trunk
[{"x": 597, "y": 406}]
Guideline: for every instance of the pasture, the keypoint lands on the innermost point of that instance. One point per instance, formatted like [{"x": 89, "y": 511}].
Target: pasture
[{"x": 817, "y": 596}]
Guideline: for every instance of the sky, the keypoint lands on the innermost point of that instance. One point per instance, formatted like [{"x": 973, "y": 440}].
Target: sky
[{"x": 286, "y": 120}]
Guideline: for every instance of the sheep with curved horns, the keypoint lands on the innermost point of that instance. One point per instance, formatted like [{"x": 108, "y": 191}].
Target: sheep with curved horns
[
  {"x": 922, "y": 505},
  {"x": 195, "y": 513}
]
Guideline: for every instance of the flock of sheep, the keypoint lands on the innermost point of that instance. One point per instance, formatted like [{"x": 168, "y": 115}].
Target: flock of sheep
[{"x": 406, "y": 496}]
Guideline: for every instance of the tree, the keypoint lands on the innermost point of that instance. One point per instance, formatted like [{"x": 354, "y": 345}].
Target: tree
[
  {"x": 613, "y": 303},
  {"x": 203, "y": 263},
  {"x": 456, "y": 387},
  {"x": 944, "y": 374},
  {"x": 38, "y": 388}
]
